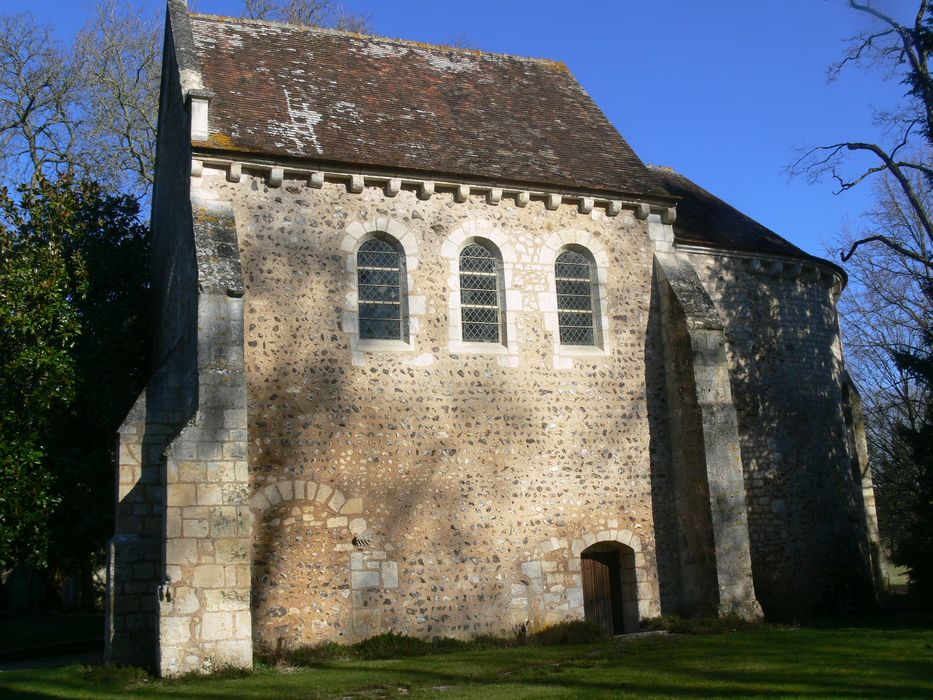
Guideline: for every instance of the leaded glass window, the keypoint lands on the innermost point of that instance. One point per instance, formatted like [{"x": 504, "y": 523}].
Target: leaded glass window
[
  {"x": 574, "y": 275},
  {"x": 378, "y": 276},
  {"x": 480, "y": 302}
]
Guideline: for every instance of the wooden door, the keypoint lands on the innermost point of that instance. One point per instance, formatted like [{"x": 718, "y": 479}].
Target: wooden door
[{"x": 602, "y": 590}]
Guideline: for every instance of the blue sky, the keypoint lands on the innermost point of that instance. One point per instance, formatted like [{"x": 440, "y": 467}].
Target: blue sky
[{"x": 722, "y": 90}]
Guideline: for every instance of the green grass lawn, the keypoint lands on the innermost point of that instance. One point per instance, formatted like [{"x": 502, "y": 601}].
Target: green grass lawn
[{"x": 841, "y": 662}]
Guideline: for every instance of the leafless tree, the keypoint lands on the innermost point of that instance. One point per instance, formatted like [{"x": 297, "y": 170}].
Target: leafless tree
[
  {"x": 91, "y": 108},
  {"x": 311, "y": 13},
  {"x": 902, "y": 49},
  {"x": 885, "y": 311},
  {"x": 121, "y": 52},
  {"x": 40, "y": 90}
]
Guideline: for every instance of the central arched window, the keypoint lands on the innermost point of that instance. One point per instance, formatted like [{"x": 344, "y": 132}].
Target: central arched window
[
  {"x": 573, "y": 272},
  {"x": 379, "y": 276},
  {"x": 481, "y": 294}
]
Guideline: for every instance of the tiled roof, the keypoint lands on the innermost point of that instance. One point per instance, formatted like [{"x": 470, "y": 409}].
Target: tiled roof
[
  {"x": 357, "y": 100},
  {"x": 705, "y": 220}
]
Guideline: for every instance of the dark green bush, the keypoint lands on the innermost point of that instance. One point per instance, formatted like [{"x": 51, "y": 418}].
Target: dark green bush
[
  {"x": 394, "y": 646},
  {"x": 576, "y": 632},
  {"x": 123, "y": 677},
  {"x": 699, "y": 625},
  {"x": 390, "y": 646}
]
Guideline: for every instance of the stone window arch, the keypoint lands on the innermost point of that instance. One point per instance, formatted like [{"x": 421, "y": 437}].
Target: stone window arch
[
  {"x": 588, "y": 244},
  {"x": 482, "y": 301},
  {"x": 381, "y": 289},
  {"x": 575, "y": 276},
  {"x": 412, "y": 302},
  {"x": 511, "y": 303}
]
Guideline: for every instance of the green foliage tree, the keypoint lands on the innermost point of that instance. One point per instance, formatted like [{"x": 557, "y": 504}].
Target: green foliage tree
[{"x": 73, "y": 290}]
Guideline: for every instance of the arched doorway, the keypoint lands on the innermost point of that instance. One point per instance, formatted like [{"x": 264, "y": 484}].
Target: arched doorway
[{"x": 609, "y": 596}]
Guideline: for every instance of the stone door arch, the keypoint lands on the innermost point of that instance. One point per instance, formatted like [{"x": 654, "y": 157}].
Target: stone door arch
[
  {"x": 610, "y": 598},
  {"x": 549, "y": 587}
]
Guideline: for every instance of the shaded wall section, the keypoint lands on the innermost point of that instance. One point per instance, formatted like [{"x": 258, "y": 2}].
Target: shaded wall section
[
  {"x": 715, "y": 563},
  {"x": 806, "y": 508},
  {"x": 136, "y": 562}
]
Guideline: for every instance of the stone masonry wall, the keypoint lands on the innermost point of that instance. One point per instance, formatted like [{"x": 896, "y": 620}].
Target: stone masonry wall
[
  {"x": 710, "y": 490},
  {"x": 179, "y": 583},
  {"x": 136, "y": 554},
  {"x": 432, "y": 489},
  {"x": 805, "y": 507}
]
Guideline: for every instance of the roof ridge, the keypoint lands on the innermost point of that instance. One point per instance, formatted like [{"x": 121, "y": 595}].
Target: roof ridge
[{"x": 392, "y": 40}]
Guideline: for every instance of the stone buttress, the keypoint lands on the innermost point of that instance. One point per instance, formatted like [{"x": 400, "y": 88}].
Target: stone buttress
[
  {"x": 710, "y": 498},
  {"x": 179, "y": 574}
]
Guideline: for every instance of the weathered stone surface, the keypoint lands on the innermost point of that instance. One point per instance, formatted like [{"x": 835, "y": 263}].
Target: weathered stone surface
[{"x": 309, "y": 485}]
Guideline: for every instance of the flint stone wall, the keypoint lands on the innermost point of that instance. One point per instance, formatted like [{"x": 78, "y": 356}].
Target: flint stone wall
[{"x": 471, "y": 475}]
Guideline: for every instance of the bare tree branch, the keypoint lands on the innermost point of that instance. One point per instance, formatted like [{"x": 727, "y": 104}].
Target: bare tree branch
[
  {"x": 121, "y": 75},
  {"x": 40, "y": 124},
  {"x": 893, "y": 245},
  {"x": 912, "y": 48},
  {"x": 311, "y": 13},
  {"x": 810, "y": 162}
]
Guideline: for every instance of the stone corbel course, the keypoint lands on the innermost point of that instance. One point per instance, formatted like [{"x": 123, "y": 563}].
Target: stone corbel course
[{"x": 425, "y": 189}]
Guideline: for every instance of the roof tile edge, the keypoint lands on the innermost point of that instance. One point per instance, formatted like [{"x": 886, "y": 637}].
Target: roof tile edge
[
  {"x": 556, "y": 64},
  {"x": 178, "y": 22}
]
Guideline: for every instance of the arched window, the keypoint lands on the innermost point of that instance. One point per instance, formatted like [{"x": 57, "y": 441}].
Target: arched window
[
  {"x": 481, "y": 304},
  {"x": 576, "y": 299},
  {"x": 379, "y": 276}
]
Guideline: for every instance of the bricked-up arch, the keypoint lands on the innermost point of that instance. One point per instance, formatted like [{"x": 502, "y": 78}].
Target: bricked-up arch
[
  {"x": 354, "y": 235},
  {"x": 335, "y": 553},
  {"x": 304, "y": 489}
]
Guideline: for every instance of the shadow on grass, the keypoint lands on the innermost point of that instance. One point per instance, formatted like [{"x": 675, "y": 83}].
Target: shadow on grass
[{"x": 769, "y": 663}]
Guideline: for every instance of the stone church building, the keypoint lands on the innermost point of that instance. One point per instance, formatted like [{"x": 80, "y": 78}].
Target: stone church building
[{"x": 436, "y": 353}]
